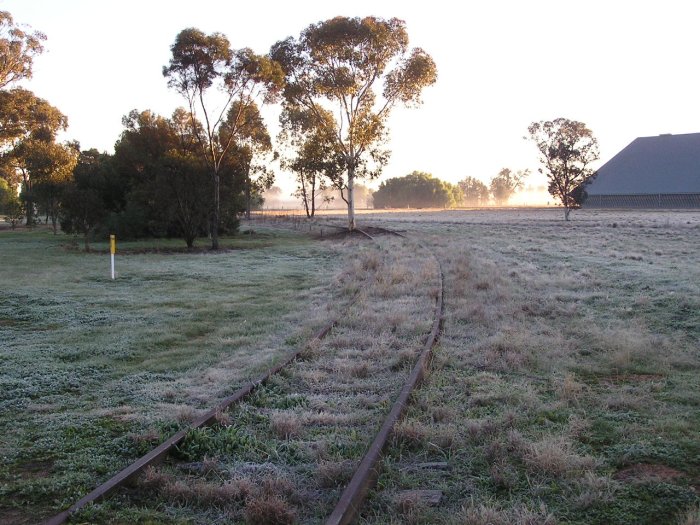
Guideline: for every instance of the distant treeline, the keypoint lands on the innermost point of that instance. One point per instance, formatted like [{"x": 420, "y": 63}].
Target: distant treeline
[{"x": 422, "y": 190}]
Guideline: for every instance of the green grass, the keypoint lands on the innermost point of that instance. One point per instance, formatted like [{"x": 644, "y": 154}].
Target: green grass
[{"x": 95, "y": 372}]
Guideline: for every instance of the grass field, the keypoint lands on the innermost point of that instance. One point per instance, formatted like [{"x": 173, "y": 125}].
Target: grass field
[
  {"x": 565, "y": 388},
  {"x": 95, "y": 372}
]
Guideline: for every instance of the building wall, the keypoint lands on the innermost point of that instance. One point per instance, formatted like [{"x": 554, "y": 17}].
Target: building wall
[{"x": 649, "y": 200}]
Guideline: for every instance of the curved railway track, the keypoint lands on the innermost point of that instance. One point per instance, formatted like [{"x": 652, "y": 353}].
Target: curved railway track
[{"x": 364, "y": 477}]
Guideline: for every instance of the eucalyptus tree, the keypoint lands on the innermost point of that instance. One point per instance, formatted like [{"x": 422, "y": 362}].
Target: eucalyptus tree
[
  {"x": 51, "y": 167},
  {"x": 26, "y": 121},
  {"x": 18, "y": 47},
  {"x": 567, "y": 149},
  {"x": 506, "y": 183},
  {"x": 211, "y": 77},
  {"x": 474, "y": 192},
  {"x": 359, "y": 69},
  {"x": 314, "y": 159}
]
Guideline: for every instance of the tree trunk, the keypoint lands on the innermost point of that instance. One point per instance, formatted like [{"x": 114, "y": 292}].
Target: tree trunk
[
  {"x": 313, "y": 196},
  {"x": 215, "y": 215},
  {"x": 28, "y": 203},
  {"x": 567, "y": 212},
  {"x": 86, "y": 241},
  {"x": 351, "y": 197},
  {"x": 247, "y": 192}
]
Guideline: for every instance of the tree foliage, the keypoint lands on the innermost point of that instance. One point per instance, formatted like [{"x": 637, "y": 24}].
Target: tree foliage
[
  {"x": 505, "y": 184},
  {"x": 50, "y": 166},
  {"x": 28, "y": 128},
  {"x": 416, "y": 190},
  {"x": 18, "y": 47},
  {"x": 474, "y": 192},
  {"x": 315, "y": 161},
  {"x": 252, "y": 148},
  {"x": 165, "y": 184},
  {"x": 356, "y": 70},
  {"x": 83, "y": 207},
  {"x": 567, "y": 148},
  {"x": 212, "y": 77}
]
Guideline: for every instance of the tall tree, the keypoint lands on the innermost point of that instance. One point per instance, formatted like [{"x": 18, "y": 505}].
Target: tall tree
[
  {"x": 18, "y": 47},
  {"x": 182, "y": 193},
  {"x": 337, "y": 66},
  {"x": 50, "y": 166},
  {"x": 474, "y": 192},
  {"x": 211, "y": 77},
  {"x": 567, "y": 149},
  {"x": 505, "y": 184}
]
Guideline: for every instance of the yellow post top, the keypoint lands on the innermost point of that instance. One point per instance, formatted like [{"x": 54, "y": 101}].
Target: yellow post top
[{"x": 112, "y": 244}]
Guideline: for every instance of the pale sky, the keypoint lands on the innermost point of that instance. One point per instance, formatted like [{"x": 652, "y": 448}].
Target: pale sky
[{"x": 625, "y": 68}]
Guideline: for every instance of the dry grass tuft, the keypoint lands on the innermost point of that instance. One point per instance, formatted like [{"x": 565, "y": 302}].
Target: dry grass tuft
[
  {"x": 154, "y": 478},
  {"x": 285, "y": 425},
  {"x": 410, "y": 432},
  {"x": 408, "y": 508},
  {"x": 555, "y": 457},
  {"x": 520, "y": 515},
  {"x": 594, "y": 490},
  {"x": 185, "y": 414},
  {"x": 503, "y": 475},
  {"x": 223, "y": 418},
  {"x": 332, "y": 474},
  {"x": 359, "y": 370},
  {"x": 570, "y": 390},
  {"x": 441, "y": 414},
  {"x": 269, "y": 510},
  {"x": 478, "y": 430},
  {"x": 403, "y": 358}
]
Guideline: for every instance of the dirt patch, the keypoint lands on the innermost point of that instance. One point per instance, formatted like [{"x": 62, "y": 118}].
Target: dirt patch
[
  {"x": 34, "y": 469},
  {"x": 643, "y": 472}
]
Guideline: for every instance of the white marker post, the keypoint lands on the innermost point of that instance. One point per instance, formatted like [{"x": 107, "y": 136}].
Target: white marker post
[{"x": 112, "y": 250}]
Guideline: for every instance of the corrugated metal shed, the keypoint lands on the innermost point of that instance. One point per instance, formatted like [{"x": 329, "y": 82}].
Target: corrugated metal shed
[{"x": 659, "y": 172}]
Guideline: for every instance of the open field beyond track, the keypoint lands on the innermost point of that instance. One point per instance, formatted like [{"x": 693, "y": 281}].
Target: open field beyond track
[{"x": 565, "y": 388}]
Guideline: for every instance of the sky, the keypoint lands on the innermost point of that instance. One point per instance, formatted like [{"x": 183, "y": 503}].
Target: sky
[{"x": 625, "y": 68}]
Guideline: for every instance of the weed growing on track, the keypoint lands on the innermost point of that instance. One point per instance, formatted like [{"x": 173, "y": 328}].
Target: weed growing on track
[
  {"x": 95, "y": 372},
  {"x": 565, "y": 388}
]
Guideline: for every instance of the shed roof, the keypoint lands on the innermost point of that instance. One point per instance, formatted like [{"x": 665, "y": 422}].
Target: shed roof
[{"x": 661, "y": 164}]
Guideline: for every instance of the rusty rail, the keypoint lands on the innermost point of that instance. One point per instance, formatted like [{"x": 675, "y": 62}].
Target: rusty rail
[{"x": 352, "y": 498}]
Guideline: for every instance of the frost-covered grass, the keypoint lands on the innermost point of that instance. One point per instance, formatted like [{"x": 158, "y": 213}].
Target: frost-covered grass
[
  {"x": 565, "y": 388},
  {"x": 94, "y": 372},
  {"x": 286, "y": 453}
]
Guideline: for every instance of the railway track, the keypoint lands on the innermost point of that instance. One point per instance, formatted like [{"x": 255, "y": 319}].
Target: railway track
[{"x": 293, "y": 444}]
